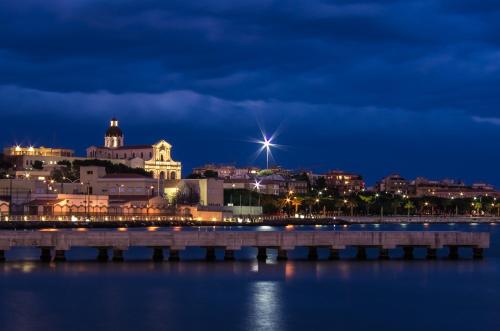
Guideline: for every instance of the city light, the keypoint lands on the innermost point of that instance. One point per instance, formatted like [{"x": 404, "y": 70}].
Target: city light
[
  {"x": 257, "y": 185},
  {"x": 266, "y": 145}
]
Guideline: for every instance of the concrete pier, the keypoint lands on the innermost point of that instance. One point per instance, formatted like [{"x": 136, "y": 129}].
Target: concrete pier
[
  {"x": 313, "y": 253},
  {"x": 102, "y": 254},
  {"x": 210, "y": 254},
  {"x": 431, "y": 254},
  {"x": 229, "y": 255},
  {"x": 453, "y": 255},
  {"x": 282, "y": 255},
  {"x": 117, "y": 255},
  {"x": 63, "y": 240},
  {"x": 173, "y": 255},
  {"x": 158, "y": 254},
  {"x": 261, "y": 253},
  {"x": 60, "y": 255},
  {"x": 361, "y": 253},
  {"x": 334, "y": 254},
  {"x": 384, "y": 254},
  {"x": 45, "y": 254},
  {"x": 408, "y": 252}
]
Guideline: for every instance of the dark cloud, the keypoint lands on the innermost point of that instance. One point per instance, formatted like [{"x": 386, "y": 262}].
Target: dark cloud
[{"x": 330, "y": 69}]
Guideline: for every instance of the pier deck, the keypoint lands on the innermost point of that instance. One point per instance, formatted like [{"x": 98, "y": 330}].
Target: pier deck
[{"x": 62, "y": 241}]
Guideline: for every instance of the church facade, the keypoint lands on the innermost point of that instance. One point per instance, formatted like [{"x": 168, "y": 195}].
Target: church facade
[{"x": 155, "y": 158}]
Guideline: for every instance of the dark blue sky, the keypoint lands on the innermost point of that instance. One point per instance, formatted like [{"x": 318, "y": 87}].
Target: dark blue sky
[{"x": 367, "y": 86}]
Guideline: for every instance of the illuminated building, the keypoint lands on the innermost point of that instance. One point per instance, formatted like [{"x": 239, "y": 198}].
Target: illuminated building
[
  {"x": 343, "y": 182},
  {"x": 155, "y": 158}
]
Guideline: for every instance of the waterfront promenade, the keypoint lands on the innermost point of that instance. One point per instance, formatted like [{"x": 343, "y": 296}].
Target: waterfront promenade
[{"x": 54, "y": 244}]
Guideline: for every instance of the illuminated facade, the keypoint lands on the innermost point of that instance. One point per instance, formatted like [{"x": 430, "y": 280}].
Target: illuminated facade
[
  {"x": 344, "y": 183},
  {"x": 24, "y": 158},
  {"x": 38, "y": 151},
  {"x": 155, "y": 158}
]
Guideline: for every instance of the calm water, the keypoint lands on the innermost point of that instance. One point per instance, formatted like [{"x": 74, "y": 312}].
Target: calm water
[{"x": 245, "y": 295}]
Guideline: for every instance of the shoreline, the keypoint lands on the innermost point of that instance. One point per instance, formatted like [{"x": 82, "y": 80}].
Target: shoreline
[{"x": 34, "y": 225}]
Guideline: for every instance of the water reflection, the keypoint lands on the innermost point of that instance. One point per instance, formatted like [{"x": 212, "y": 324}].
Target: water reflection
[{"x": 265, "y": 309}]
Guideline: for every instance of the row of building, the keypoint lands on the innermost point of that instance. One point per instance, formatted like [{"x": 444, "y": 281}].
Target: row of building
[
  {"x": 30, "y": 188},
  {"x": 278, "y": 181}
]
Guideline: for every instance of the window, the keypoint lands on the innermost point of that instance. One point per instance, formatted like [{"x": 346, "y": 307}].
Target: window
[{"x": 90, "y": 172}]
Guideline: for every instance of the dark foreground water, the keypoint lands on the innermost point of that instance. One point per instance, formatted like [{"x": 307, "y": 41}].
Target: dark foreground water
[{"x": 245, "y": 295}]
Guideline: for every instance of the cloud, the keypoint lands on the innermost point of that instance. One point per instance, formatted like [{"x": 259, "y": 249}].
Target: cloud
[{"x": 489, "y": 120}]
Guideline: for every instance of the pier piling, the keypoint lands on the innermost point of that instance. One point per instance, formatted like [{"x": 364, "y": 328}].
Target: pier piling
[
  {"x": 334, "y": 254},
  {"x": 431, "y": 253},
  {"x": 46, "y": 254},
  {"x": 102, "y": 254},
  {"x": 60, "y": 255},
  {"x": 261, "y": 254},
  {"x": 313, "y": 253},
  {"x": 158, "y": 254},
  {"x": 361, "y": 253},
  {"x": 453, "y": 254},
  {"x": 282, "y": 254},
  {"x": 117, "y": 255},
  {"x": 228, "y": 255},
  {"x": 210, "y": 254},
  {"x": 408, "y": 252},
  {"x": 384, "y": 254},
  {"x": 173, "y": 255}
]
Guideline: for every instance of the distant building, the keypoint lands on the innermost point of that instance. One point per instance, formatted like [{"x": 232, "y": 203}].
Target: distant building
[
  {"x": 155, "y": 158},
  {"x": 394, "y": 184},
  {"x": 226, "y": 171},
  {"x": 23, "y": 158},
  {"x": 448, "y": 188},
  {"x": 272, "y": 185},
  {"x": 344, "y": 183},
  {"x": 117, "y": 186},
  {"x": 203, "y": 192}
]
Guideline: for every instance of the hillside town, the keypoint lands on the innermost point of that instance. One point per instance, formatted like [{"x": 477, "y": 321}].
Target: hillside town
[{"x": 118, "y": 181}]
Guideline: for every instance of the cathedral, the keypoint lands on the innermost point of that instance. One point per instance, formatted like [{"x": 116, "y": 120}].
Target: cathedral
[{"x": 154, "y": 158}]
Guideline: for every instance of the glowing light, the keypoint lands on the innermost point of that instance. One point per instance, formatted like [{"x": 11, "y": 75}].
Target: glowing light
[
  {"x": 152, "y": 228},
  {"x": 266, "y": 145},
  {"x": 257, "y": 185}
]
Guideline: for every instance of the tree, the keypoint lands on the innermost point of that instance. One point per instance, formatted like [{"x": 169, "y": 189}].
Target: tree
[
  {"x": 351, "y": 204},
  {"x": 187, "y": 196},
  {"x": 477, "y": 207},
  {"x": 395, "y": 204},
  {"x": 296, "y": 202},
  {"x": 367, "y": 200},
  {"x": 409, "y": 206}
]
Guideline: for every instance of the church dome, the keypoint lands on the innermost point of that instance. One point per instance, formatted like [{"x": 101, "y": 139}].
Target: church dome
[{"x": 114, "y": 130}]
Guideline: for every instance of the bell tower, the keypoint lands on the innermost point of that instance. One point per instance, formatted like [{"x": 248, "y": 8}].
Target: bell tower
[{"x": 114, "y": 135}]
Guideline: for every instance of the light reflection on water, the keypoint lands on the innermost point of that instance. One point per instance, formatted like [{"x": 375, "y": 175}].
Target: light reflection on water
[{"x": 264, "y": 306}]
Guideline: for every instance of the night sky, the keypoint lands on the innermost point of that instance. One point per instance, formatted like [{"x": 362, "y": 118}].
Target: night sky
[{"x": 367, "y": 86}]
